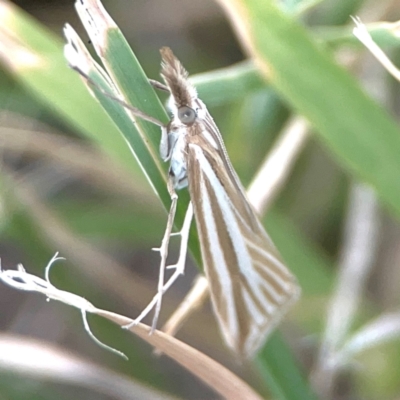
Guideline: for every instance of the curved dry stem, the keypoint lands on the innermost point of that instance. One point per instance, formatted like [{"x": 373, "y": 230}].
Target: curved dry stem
[
  {"x": 209, "y": 371},
  {"x": 277, "y": 166}
]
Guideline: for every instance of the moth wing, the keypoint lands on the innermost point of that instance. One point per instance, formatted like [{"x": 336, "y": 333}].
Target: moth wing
[{"x": 251, "y": 289}]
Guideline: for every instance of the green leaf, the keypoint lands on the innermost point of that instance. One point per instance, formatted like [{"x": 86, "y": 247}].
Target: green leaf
[
  {"x": 228, "y": 84},
  {"x": 366, "y": 141},
  {"x": 280, "y": 370},
  {"x": 309, "y": 264},
  {"x": 44, "y": 72}
]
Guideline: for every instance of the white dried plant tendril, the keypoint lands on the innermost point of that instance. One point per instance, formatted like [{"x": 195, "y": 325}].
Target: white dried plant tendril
[
  {"x": 20, "y": 279},
  {"x": 362, "y": 34}
]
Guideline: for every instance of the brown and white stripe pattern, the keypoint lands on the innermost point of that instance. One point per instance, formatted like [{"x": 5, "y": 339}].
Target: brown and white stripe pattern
[{"x": 251, "y": 288}]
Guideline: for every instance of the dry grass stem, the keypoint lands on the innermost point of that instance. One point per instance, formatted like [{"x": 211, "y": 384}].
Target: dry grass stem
[{"x": 357, "y": 256}]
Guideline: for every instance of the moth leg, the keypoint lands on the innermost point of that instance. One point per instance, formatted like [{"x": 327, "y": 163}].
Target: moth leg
[
  {"x": 179, "y": 266},
  {"x": 157, "y": 299},
  {"x": 164, "y": 253},
  {"x": 158, "y": 85}
]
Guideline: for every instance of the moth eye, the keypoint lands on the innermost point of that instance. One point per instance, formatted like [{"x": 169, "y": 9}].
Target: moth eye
[{"x": 187, "y": 115}]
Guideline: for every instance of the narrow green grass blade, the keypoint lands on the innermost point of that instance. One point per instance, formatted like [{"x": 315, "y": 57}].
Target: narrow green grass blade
[
  {"x": 50, "y": 80},
  {"x": 150, "y": 164},
  {"x": 282, "y": 375},
  {"x": 362, "y": 136},
  {"x": 228, "y": 84},
  {"x": 127, "y": 74}
]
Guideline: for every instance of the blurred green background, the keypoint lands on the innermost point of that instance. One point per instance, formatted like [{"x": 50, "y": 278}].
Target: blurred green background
[{"x": 62, "y": 190}]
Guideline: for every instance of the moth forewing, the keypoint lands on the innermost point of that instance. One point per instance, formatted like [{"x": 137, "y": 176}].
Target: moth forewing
[{"x": 250, "y": 287}]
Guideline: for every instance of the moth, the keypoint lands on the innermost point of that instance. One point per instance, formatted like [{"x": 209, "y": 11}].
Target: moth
[{"x": 251, "y": 289}]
